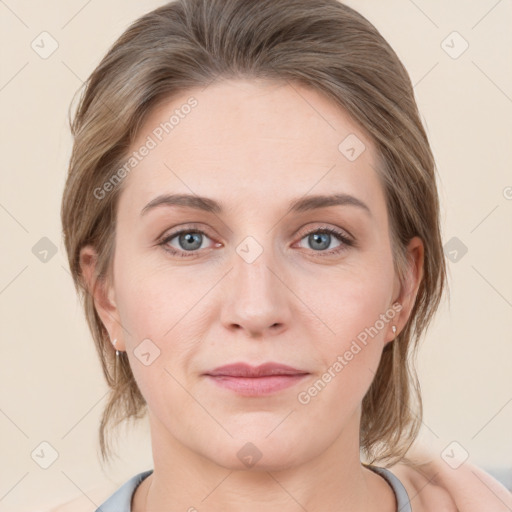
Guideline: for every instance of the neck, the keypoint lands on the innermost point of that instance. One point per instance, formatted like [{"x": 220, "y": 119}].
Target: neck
[{"x": 331, "y": 480}]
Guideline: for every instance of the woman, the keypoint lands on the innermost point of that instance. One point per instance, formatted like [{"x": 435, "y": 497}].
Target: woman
[{"x": 217, "y": 144}]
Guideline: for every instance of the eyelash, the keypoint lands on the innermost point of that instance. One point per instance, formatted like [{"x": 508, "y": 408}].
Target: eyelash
[{"x": 346, "y": 242}]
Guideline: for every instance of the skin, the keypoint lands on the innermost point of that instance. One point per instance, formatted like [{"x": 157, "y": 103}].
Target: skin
[{"x": 254, "y": 146}]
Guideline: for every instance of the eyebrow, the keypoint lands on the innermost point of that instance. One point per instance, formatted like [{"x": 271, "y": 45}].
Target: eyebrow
[{"x": 311, "y": 202}]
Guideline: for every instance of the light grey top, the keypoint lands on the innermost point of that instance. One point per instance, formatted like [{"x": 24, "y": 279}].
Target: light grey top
[
  {"x": 402, "y": 498},
  {"x": 121, "y": 500}
]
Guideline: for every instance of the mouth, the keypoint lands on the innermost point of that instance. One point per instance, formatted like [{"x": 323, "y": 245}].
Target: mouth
[{"x": 248, "y": 380}]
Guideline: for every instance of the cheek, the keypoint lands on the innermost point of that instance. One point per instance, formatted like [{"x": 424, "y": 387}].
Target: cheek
[
  {"x": 356, "y": 314},
  {"x": 352, "y": 301},
  {"x": 158, "y": 311},
  {"x": 350, "y": 357},
  {"x": 152, "y": 300}
]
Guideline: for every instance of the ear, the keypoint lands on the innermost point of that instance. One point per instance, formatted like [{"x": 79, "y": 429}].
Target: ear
[
  {"x": 408, "y": 291},
  {"x": 103, "y": 295}
]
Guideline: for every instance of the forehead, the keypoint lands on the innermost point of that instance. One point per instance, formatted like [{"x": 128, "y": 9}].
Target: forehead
[{"x": 252, "y": 139}]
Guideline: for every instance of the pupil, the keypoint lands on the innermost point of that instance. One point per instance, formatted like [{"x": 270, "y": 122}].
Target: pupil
[
  {"x": 318, "y": 237},
  {"x": 190, "y": 239}
]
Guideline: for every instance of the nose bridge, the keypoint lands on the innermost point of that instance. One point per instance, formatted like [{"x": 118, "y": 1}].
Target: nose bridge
[{"x": 256, "y": 298}]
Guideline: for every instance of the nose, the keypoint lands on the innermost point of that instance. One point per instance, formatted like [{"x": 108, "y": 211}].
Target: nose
[{"x": 256, "y": 298}]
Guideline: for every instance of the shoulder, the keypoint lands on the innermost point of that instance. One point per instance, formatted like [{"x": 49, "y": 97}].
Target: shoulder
[
  {"x": 87, "y": 502},
  {"x": 425, "y": 493},
  {"x": 433, "y": 485}
]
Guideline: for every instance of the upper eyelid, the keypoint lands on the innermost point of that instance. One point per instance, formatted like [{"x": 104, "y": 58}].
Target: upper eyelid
[
  {"x": 194, "y": 226},
  {"x": 325, "y": 226},
  {"x": 305, "y": 231},
  {"x": 171, "y": 234}
]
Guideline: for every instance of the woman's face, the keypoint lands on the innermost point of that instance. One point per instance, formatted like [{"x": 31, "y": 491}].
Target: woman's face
[{"x": 251, "y": 278}]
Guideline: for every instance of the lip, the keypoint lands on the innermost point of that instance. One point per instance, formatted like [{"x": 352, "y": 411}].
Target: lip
[
  {"x": 247, "y": 370},
  {"x": 248, "y": 380}
]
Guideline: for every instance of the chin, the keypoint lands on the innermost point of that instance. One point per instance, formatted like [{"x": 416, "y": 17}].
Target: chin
[{"x": 257, "y": 453}]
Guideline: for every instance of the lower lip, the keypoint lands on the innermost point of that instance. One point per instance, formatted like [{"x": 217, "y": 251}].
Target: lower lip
[{"x": 256, "y": 386}]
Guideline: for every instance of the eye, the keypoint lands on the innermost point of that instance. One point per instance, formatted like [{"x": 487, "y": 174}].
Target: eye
[
  {"x": 320, "y": 239},
  {"x": 187, "y": 241}
]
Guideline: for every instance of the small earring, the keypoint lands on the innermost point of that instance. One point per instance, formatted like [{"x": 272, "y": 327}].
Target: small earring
[
  {"x": 393, "y": 328},
  {"x": 116, "y": 361}
]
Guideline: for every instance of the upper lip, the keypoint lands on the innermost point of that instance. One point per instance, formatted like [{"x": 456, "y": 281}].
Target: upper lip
[{"x": 247, "y": 370}]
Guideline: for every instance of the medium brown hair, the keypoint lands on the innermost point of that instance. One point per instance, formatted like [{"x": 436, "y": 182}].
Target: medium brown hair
[{"x": 321, "y": 44}]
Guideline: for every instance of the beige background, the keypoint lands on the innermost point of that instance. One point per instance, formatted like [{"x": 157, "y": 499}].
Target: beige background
[{"x": 52, "y": 388}]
